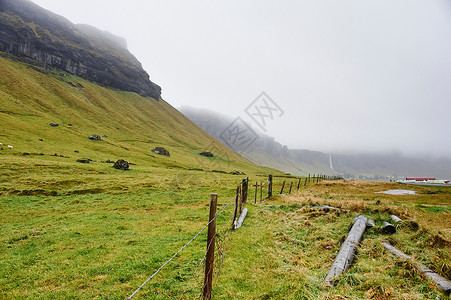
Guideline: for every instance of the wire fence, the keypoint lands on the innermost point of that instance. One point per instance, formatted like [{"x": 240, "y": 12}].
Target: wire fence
[
  {"x": 240, "y": 199},
  {"x": 180, "y": 250}
]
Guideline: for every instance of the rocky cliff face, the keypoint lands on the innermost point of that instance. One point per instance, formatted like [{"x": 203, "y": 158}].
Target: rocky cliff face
[{"x": 41, "y": 37}]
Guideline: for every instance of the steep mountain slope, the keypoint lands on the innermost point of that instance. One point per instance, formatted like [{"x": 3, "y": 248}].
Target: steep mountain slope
[
  {"x": 32, "y": 98},
  {"x": 38, "y": 36},
  {"x": 267, "y": 151}
]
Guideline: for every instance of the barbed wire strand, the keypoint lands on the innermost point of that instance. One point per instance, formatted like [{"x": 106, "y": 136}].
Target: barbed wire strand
[
  {"x": 197, "y": 268},
  {"x": 181, "y": 249},
  {"x": 218, "y": 237}
]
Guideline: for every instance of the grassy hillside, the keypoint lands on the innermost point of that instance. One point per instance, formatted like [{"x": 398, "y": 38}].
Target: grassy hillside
[{"x": 133, "y": 125}]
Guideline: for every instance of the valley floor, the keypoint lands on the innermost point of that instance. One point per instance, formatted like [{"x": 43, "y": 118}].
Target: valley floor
[{"x": 103, "y": 245}]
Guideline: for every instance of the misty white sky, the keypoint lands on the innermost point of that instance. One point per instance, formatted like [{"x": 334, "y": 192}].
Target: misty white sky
[{"x": 349, "y": 75}]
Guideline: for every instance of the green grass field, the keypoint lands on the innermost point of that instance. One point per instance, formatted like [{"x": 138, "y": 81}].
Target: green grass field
[{"x": 104, "y": 245}]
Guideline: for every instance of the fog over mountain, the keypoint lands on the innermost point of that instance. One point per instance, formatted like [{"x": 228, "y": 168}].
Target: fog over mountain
[
  {"x": 350, "y": 75},
  {"x": 266, "y": 150}
]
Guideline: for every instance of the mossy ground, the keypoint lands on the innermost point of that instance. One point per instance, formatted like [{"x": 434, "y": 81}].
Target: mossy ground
[{"x": 104, "y": 245}]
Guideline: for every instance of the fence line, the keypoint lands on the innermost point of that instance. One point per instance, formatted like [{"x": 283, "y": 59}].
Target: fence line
[
  {"x": 181, "y": 249},
  {"x": 242, "y": 193},
  {"x": 195, "y": 271}
]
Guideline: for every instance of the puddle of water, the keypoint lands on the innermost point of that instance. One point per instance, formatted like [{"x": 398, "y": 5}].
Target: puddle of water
[{"x": 398, "y": 192}]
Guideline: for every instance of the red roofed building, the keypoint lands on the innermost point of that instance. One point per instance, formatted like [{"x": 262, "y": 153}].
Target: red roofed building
[{"x": 420, "y": 178}]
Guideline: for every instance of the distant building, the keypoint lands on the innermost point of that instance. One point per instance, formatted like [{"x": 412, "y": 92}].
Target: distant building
[{"x": 420, "y": 178}]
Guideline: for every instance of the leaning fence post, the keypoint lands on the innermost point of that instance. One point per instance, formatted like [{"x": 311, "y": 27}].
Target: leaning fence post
[
  {"x": 299, "y": 183},
  {"x": 283, "y": 185},
  {"x": 209, "y": 260},
  {"x": 291, "y": 185}
]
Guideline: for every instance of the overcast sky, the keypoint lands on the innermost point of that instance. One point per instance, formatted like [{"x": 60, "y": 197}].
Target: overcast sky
[{"x": 354, "y": 76}]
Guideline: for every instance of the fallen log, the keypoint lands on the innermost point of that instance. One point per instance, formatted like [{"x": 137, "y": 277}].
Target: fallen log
[
  {"x": 326, "y": 208},
  {"x": 388, "y": 228},
  {"x": 441, "y": 282},
  {"x": 396, "y": 219},
  {"x": 346, "y": 254},
  {"x": 241, "y": 219},
  {"x": 369, "y": 223}
]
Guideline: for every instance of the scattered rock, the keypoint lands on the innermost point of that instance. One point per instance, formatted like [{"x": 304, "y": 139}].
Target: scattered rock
[
  {"x": 69, "y": 83},
  {"x": 206, "y": 154},
  {"x": 41, "y": 153},
  {"x": 104, "y": 136},
  {"x": 41, "y": 140},
  {"x": 95, "y": 137},
  {"x": 110, "y": 161},
  {"x": 237, "y": 173},
  {"x": 121, "y": 165},
  {"x": 84, "y": 160},
  {"x": 161, "y": 151},
  {"x": 76, "y": 151},
  {"x": 53, "y": 124}
]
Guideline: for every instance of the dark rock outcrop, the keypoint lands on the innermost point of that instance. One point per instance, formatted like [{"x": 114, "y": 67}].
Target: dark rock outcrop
[
  {"x": 40, "y": 37},
  {"x": 235, "y": 172},
  {"x": 53, "y": 124},
  {"x": 206, "y": 154},
  {"x": 84, "y": 160},
  {"x": 161, "y": 151},
  {"x": 95, "y": 137},
  {"x": 121, "y": 164}
]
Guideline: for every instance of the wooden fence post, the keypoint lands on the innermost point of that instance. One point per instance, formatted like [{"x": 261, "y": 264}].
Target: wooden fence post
[
  {"x": 240, "y": 201},
  {"x": 270, "y": 186},
  {"x": 308, "y": 178},
  {"x": 236, "y": 207},
  {"x": 256, "y": 191},
  {"x": 210, "y": 258},
  {"x": 244, "y": 189},
  {"x": 283, "y": 185},
  {"x": 305, "y": 182},
  {"x": 291, "y": 185},
  {"x": 261, "y": 191},
  {"x": 299, "y": 183}
]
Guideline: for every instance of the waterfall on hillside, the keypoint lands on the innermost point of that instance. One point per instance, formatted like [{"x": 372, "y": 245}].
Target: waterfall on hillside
[{"x": 330, "y": 162}]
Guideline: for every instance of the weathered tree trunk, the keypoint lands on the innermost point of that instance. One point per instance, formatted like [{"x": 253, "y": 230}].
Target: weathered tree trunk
[
  {"x": 346, "y": 254},
  {"x": 441, "y": 282},
  {"x": 388, "y": 228},
  {"x": 241, "y": 219},
  {"x": 370, "y": 223},
  {"x": 396, "y": 219}
]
